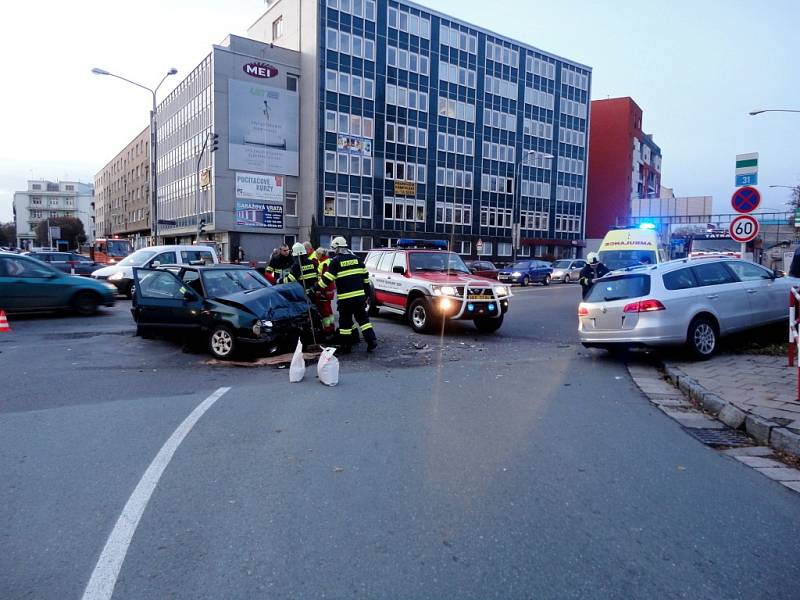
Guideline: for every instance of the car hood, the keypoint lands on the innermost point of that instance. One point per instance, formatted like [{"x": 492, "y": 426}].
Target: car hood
[
  {"x": 284, "y": 301},
  {"x": 108, "y": 271},
  {"x": 453, "y": 279}
]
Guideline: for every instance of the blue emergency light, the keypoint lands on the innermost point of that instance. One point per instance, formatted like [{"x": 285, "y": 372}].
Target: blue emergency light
[
  {"x": 428, "y": 244},
  {"x": 647, "y": 225}
]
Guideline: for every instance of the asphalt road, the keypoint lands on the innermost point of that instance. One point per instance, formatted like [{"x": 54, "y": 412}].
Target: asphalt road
[{"x": 511, "y": 465}]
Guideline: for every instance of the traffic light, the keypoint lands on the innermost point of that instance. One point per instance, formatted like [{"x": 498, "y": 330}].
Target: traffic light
[
  {"x": 214, "y": 142},
  {"x": 202, "y": 227}
]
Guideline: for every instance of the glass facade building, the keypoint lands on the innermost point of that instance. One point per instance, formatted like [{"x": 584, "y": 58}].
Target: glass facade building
[{"x": 430, "y": 127}]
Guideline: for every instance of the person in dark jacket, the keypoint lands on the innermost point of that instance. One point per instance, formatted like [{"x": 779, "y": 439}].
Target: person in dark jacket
[
  {"x": 352, "y": 288},
  {"x": 303, "y": 270},
  {"x": 279, "y": 265},
  {"x": 594, "y": 269}
]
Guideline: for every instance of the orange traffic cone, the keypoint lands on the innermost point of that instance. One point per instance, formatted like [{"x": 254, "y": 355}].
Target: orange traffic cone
[{"x": 4, "y": 322}]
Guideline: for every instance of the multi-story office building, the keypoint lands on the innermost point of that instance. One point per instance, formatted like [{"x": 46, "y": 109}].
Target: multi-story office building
[
  {"x": 122, "y": 193},
  {"x": 624, "y": 164},
  {"x": 49, "y": 199},
  {"x": 245, "y": 193},
  {"x": 417, "y": 124}
]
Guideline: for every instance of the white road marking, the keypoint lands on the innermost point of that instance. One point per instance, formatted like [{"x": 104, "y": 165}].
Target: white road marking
[{"x": 104, "y": 577}]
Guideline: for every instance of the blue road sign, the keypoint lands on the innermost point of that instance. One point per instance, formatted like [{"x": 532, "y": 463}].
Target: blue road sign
[
  {"x": 745, "y": 200},
  {"x": 751, "y": 179}
]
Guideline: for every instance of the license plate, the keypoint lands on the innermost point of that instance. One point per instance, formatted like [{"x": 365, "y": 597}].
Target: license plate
[{"x": 480, "y": 297}]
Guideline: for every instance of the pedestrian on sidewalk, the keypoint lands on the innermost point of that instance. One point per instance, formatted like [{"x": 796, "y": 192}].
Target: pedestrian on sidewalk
[{"x": 594, "y": 269}]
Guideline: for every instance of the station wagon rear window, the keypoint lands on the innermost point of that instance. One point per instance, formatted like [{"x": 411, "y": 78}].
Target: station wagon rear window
[{"x": 619, "y": 287}]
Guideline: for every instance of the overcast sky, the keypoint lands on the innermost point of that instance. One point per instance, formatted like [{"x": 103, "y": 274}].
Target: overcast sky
[{"x": 696, "y": 67}]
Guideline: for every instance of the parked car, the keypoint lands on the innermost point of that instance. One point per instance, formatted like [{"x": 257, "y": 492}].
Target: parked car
[
  {"x": 567, "y": 270},
  {"x": 482, "y": 268},
  {"x": 228, "y": 306},
  {"x": 691, "y": 302},
  {"x": 524, "y": 272},
  {"x": 121, "y": 274},
  {"x": 30, "y": 285},
  {"x": 67, "y": 261}
]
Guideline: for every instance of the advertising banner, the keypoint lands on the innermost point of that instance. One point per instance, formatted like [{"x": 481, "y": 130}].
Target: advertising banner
[
  {"x": 259, "y": 214},
  {"x": 265, "y": 188},
  {"x": 264, "y": 128},
  {"x": 353, "y": 144},
  {"x": 405, "y": 188}
]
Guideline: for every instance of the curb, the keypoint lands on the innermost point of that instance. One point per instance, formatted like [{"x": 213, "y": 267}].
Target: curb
[{"x": 764, "y": 431}]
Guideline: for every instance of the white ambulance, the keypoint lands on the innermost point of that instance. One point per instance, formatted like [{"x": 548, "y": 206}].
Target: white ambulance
[{"x": 631, "y": 246}]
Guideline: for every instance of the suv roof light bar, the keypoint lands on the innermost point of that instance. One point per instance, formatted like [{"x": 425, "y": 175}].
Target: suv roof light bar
[{"x": 427, "y": 244}]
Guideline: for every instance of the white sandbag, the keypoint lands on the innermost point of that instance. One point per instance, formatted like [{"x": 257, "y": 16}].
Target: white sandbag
[
  {"x": 297, "y": 369},
  {"x": 328, "y": 367}
]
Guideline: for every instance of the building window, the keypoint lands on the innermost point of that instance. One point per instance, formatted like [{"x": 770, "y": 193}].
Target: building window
[
  {"x": 486, "y": 250},
  {"x": 413, "y": 24},
  {"x": 404, "y": 209},
  {"x": 449, "y": 213},
  {"x": 455, "y": 109},
  {"x": 277, "y": 28},
  {"x": 408, "y": 61},
  {"x": 504, "y": 249},
  {"x": 464, "y": 247},
  {"x": 361, "y": 243},
  {"x": 455, "y": 74},
  {"x": 456, "y": 178},
  {"x": 291, "y": 83},
  {"x": 291, "y": 204},
  {"x": 497, "y": 183}
]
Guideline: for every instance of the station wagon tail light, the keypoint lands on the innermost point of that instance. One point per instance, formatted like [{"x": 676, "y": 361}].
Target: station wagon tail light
[
  {"x": 583, "y": 311},
  {"x": 643, "y": 306}
]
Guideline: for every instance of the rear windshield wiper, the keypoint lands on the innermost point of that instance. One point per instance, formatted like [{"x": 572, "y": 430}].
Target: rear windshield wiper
[{"x": 612, "y": 298}]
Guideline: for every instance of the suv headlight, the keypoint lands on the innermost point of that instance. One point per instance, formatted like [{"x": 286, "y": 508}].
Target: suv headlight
[
  {"x": 501, "y": 290},
  {"x": 516, "y": 274},
  {"x": 262, "y": 326},
  {"x": 444, "y": 290}
]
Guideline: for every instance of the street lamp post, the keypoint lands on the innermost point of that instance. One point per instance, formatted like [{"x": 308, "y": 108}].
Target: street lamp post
[
  {"x": 516, "y": 233},
  {"x": 153, "y": 145}
]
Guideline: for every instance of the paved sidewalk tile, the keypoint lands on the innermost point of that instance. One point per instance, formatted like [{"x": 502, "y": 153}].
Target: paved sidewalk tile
[
  {"x": 781, "y": 473},
  {"x": 759, "y": 461},
  {"x": 749, "y": 451},
  {"x": 792, "y": 485}
]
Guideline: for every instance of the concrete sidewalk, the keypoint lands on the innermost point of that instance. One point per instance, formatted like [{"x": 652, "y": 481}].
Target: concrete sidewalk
[{"x": 755, "y": 393}]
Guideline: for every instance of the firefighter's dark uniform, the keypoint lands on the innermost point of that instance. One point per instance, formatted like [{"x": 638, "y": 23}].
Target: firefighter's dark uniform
[
  {"x": 304, "y": 271},
  {"x": 352, "y": 287},
  {"x": 277, "y": 267},
  {"x": 589, "y": 273}
]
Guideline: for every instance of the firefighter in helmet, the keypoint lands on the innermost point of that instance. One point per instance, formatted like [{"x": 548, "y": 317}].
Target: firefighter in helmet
[{"x": 352, "y": 286}]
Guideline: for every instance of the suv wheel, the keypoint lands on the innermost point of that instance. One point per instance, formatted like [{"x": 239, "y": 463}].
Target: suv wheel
[
  {"x": 702, "y": 338},
  {"x": 488, "y": 324},
  {"x": 372, "y": 306},
  {"x": 546, "y": 280},
  {"x": 221, "y": 342},
  {"x": 420, "y": 316}
]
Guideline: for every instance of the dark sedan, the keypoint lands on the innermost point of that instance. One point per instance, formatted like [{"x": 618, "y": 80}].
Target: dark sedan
[
  {"x": 228, "y": 306},
  {"x": 482, "y": 268},
  {"x": 524, "y": 272},
  {"x": 68, "y": 262}
]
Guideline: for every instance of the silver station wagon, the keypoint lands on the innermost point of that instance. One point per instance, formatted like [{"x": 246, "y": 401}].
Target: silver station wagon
[{"x": 689, "y": 301}]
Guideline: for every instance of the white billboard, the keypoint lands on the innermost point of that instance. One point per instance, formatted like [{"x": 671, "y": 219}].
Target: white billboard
[
  {"x": 263, "y": 188},
  {"x": 264, "y": 127}
]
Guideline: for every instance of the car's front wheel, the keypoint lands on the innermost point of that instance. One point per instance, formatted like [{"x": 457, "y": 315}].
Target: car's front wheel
[
  {"x": 567, "y": 278},
  {"x": 546, "y": 280},
  {"x": 702, "y": 338},
  {"x": 85, "y": 303},
  {"x": 420, "y": 316},
  {"x": 130, "y": 291},
  {"x": 488, "y": 324},
  {"x": 221, "y": 342},
  {"x": 525, "y": 281}
]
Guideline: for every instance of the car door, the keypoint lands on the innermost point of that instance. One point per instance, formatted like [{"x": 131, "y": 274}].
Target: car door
[
  {"x": 768, "y": 296},
  {"x": 163, "y": 301},
  {"x": 575, "y": 269},
  {"x": 27, "y": 284},
  {"x": 379, "y": 275},
  {"x": 726, "y": 294},
  {"x": 164, "y": 258},
  {"x": 398, "y": 284}
]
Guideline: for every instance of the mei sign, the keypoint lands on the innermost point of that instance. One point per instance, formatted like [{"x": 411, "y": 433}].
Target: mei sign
[{"x": 260, "y": 70}]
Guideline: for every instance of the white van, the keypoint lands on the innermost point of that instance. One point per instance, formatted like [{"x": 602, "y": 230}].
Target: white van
[
  {"x": 121, "y": 274},
  {"x": 631, "y": 246}
]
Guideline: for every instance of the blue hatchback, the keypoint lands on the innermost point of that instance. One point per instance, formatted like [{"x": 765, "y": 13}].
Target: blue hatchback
[{"x": 524, "y": 272}]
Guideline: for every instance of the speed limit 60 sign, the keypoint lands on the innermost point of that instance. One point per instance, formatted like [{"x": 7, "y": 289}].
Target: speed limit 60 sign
[{"x": 744, "y": 228}]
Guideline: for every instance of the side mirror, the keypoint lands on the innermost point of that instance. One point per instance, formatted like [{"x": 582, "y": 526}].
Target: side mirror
[
  {"x": 399, "y": 270},
  {"x": 778, "y": 273},
  {"x": 155, "y": 264}
]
